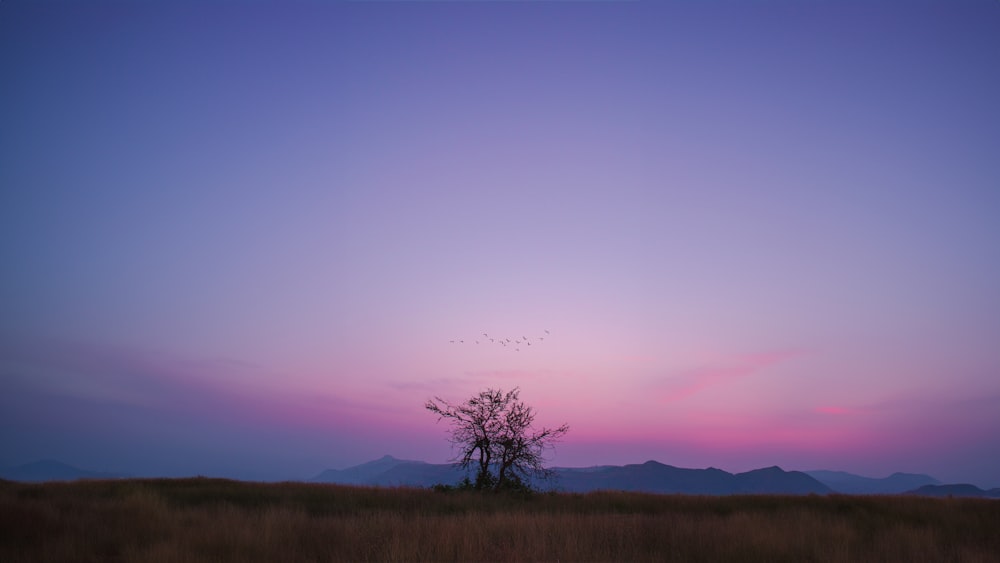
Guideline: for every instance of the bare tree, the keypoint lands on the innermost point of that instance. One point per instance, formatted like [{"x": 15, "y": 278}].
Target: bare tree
[{"x": 492, "y": 431}]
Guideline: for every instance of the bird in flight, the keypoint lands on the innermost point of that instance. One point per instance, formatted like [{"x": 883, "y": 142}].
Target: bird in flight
[{"x": 514, "y": 342}]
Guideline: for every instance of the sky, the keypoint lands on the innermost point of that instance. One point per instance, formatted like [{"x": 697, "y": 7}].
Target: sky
[{"x": 239, "y": 238}]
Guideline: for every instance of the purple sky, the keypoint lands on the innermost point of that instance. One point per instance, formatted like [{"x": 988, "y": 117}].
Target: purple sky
[{"x": 237, "y": 238}]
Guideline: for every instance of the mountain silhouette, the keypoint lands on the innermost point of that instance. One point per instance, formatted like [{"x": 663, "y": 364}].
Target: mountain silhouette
[
  {"x": 51, "y": 470},
  {"x": 849, "y": 483},
  {"x": 959, "y": 490},
  {"x": 652, "y": 477},
  {"x": 655, "y": 477},
  {"x": 389, "y": 471}
]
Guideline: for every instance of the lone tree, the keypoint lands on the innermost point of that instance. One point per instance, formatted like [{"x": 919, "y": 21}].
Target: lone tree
[{"x": 493, "y": 432}]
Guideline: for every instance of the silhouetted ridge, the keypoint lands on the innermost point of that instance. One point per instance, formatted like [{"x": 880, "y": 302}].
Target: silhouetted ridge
[
  {"x": 776, "y": 480},
  {"x": 391, "y": 471},
  {"x": 843, "y": 482},
  {"x": 51, "y": 470},
  {"x": 650, "y": 476},
  {"x": 656, "y": 477},
  {"x": 958, "y": 490}
]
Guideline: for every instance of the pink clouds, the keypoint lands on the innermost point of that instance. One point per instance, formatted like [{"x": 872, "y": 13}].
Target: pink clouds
[
  {"x": 730, "y": 440},
  {"x": 221, "y": 390},
  {"x": 132, "y": 395},
  {"x": 512, "y": 375},
  {"x": 833, "y": 410},
  {"x": 687, "y": 383}
]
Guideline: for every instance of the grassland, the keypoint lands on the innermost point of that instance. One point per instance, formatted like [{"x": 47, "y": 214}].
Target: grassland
[{"x": 217, "y": 520}]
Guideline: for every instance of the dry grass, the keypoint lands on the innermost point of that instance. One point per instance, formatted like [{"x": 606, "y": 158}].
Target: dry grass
[{"x": 216, "y": 520}]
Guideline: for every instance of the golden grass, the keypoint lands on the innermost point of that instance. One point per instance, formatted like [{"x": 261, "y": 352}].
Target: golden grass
[{"x": 188, "y": 520}]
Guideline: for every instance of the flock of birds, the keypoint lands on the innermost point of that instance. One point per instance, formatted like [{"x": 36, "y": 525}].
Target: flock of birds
[{"x": 510, "y": 343}]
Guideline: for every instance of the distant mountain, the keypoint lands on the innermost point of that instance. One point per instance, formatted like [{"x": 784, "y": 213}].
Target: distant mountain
[
  {"x": 50, "y": 470},
  {"x": 775, "y": 480},
  {"x": 655, "y": 477},
  {"x": 389, "y": 471},
  {"x": 590, "y": 469},
  {"x": 422, "y": 475},
  {"x": 652, "y": 476},
  {"x": 960, "y": 490},
  {"x": 849, "y": 483}
]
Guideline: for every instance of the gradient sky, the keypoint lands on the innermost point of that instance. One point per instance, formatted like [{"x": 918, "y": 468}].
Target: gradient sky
[{"x": 237, "y": 238}]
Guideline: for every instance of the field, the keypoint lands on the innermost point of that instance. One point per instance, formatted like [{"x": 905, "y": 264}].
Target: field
[{"x": 200, "y": 519}]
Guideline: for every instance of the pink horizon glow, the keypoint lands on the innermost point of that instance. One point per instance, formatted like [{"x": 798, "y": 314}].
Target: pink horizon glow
[{"x": 723, "y": 438}]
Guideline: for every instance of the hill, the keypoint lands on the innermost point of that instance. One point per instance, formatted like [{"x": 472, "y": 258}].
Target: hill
[
  {"x": 651, "y": 477},
  {"x": 50, "y": 470},
  {"x": 389, "y": 471},
  {"x": 849, "y": 483},
  {"x": 960, "y": 490},
  {"x": 655, "y": 477}
]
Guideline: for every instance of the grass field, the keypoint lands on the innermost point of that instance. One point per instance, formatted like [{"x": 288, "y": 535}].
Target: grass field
[{"x": 218, "y": 520}]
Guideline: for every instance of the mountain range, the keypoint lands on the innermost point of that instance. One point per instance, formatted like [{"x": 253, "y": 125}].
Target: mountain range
[
  {"x": 651, "y": 476},
  {"x": 848, "y": 483},
  {"x": 657, "y": 477},
  {"x": 50, "y": 470},
  {"x": 963, "y": 490}
]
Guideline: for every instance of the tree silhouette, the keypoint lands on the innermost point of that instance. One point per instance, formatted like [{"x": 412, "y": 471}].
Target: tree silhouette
[{"x": 493, "y": 433}]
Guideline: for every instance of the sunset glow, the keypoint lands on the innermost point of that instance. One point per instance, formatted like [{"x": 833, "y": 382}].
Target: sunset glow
[{"x": 252, "y": 239}]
